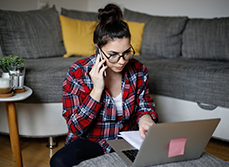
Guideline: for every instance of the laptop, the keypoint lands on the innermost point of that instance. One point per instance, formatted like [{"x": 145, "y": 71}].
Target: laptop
[{"x": 168, "y": 142}]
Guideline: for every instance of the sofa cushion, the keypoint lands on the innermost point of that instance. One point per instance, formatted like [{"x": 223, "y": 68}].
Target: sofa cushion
[
  {"x": 78, "y": 36},
  {"x": 162, "y": 35},
  {"x": 81, "y": 15},
  {"x": 31, "y": 34},
  {"x": 188, "y": 79},
  {"x": 1, "y": 54},
  {"x": 136, "y": 31},
  {"x": 206, "y": 39},
  {"x": 45, "y": 76}
]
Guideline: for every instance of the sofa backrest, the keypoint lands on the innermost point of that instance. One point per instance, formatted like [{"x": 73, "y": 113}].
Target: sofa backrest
[
  {"x": 1, "y": 54},
  {"x": 36, "y": 34},
  {"x": 81, "y": 15},
  {"x": 162, "y": 35},
  {"x": 31, "y": 34},
  {"x": 172, "y": 37},
  {"x": 206, "y": 39}
]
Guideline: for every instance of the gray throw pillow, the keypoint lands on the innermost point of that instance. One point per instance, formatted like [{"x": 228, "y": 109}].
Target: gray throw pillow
[
  {"x": 162, "y": 35},
  {"x": 206, "y": 39},
  {"x": 31, "y": 34},
  {"x": 80, "y": 15}
]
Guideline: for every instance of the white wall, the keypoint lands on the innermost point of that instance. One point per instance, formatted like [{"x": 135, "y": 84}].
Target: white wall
[{"x": 191, "y": 8}]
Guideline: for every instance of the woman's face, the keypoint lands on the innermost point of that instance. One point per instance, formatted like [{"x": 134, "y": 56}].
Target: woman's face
[{"x": 119, "y": 46}]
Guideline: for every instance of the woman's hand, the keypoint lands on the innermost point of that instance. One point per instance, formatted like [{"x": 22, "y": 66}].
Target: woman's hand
[
  {"x": 144, "y": 125},
  {"x": 97, "y": 78}
]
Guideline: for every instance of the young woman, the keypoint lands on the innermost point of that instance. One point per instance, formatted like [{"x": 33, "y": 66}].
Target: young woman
[{"x": 98, "y": 106}]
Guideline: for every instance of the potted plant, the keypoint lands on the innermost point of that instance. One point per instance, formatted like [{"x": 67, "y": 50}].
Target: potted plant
[{"x": 9, "y": 62}]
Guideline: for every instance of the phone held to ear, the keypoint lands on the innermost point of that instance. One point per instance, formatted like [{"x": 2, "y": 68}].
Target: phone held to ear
[{"x": 101, "y": 58}]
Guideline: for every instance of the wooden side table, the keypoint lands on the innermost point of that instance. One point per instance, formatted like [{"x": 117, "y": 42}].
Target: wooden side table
[{"x": 12, "y": 123}]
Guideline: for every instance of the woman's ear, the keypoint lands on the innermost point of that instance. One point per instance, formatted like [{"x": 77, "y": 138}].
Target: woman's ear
[{"x": 96, "y": 46}]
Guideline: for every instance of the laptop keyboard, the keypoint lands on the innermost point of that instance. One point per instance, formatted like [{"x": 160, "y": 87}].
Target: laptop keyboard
[{"x": 131, "y": 154}]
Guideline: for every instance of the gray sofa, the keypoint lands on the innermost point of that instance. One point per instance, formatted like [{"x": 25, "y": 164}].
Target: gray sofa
[{"x": 187, "y": 58}]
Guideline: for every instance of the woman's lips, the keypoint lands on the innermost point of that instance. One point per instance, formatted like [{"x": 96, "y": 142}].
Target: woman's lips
[{"x": 119, "y": 68}]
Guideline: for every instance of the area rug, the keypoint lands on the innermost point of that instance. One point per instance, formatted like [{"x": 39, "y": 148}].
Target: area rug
[{"x": 113, "y": 160}]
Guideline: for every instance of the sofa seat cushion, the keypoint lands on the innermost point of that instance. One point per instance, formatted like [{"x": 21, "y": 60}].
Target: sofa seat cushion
[
  {"x": 194, "y": 80},
  {"x": 45, "y": 76}
]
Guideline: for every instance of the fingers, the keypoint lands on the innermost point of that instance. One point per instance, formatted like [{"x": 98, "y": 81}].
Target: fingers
[
  {"x": 144, "y": 125},
  {"x": 96, "y": 74},
  {"x": 97, "y": 78},
  {"x": 143, "y": 129},
  {"x": 97, "y": 59},
  {"x": 99, "y": 65},
  {"x": 142, "y": 133}
]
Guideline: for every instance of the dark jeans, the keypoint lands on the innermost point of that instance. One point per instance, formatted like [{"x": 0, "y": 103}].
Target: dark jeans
[{"x": 76, "y": 152}]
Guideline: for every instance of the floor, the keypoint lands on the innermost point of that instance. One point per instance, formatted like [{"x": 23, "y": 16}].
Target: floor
[{"x": 36, "y": 154}]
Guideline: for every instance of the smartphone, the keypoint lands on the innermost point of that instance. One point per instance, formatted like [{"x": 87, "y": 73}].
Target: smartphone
[{"x": 98, "y": 51}]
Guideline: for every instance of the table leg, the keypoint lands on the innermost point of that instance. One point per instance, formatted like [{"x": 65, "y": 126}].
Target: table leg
[{"x": 14, "y": 135}]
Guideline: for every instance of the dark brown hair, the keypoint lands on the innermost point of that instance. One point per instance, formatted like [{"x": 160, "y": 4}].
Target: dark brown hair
[{"x": 111, "y": 25}]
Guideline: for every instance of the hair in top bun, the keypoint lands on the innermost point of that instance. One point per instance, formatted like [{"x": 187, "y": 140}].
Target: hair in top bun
[
  {"x": 111, "y": 25},
  {"x": 111, "y": 13}
]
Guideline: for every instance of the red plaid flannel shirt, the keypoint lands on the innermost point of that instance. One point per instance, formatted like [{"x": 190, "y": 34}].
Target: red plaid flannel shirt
[{"x": 97, "y": 121}]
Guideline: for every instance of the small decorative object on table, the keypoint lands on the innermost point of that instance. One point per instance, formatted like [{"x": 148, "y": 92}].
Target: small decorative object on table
[
  {"x": 5, "y": 87},
  {"x": 13, "y": 70}
]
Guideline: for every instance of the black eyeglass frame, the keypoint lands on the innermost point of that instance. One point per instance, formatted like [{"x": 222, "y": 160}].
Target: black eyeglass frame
[{"x": 131, "y": 47}]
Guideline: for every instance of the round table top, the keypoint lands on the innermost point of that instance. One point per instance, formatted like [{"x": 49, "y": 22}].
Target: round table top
[{"x": 18, "y": 96}]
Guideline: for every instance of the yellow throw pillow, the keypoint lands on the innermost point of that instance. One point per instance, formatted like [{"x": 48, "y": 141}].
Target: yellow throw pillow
[
  {"x": 136, "y": 31},
  {"x": 77, "y": 36}
]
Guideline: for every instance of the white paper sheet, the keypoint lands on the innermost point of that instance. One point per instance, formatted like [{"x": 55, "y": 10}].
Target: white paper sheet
[{"x": 132, "y": 137}]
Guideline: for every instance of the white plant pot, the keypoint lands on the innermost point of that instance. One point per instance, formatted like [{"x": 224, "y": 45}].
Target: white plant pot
[{"x": 5, "y": 75}]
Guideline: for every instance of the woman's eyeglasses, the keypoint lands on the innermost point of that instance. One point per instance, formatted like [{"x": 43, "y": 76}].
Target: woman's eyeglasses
[{"x": 127, "y": 55}]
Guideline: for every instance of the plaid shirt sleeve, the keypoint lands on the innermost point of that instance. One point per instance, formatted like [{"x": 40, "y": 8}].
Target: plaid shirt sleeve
[
  {"x": 138, "y": 78},
  {"x": 145, "y": 102},
  {"x": 79, "y": 109}
]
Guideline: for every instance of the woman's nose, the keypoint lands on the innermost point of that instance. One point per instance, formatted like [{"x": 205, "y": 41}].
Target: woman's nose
[{"x": 122, "y": 61}]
